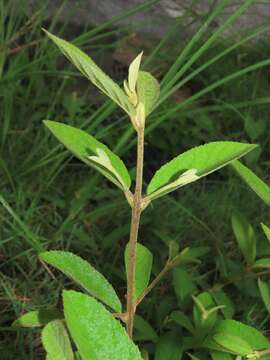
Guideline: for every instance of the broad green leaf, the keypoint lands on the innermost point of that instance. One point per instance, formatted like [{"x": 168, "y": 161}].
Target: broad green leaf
[
  {"x": 256, "y": 184},
  {"x": 266, "y": 230},
  {"x": 144, "y": 331},
  {"x": 133, "y": 72},
  {"x": 194, "y": 164},
  {"x": 169, "y": 347},
  {"x": 265, "y": 293},
  {"x": 180, "y": 318},
  {"x": 37, "y": 318},
  {"x": 218, "y": 355},
  {"x": 96, "y": 333},
  {"x": 147, "y": 91},
  {"x": 86, "y": 148},
  {"x": 83, "y": 274},
  {"x": 262, "y": 263},
  {"x": 233, "y": 343},
  {"x": 245, "y": 237},
  {"x": 250, "y": 335},
  {"x": 92, "y": 72},
  {"x": 56, "y": 341},
  {"x": 144, "y": 262}
]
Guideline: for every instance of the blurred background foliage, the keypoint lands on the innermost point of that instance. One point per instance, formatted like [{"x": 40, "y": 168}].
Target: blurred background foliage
[{"x": 49, "y": 200}]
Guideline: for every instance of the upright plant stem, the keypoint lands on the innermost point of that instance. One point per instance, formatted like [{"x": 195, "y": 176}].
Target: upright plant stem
[{"x": 135, "y": 222}]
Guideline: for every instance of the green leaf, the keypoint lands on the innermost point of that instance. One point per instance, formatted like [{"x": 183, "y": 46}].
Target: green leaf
[
  {"x": 221, "y": 298},
  {"x": 245, "y": 237},
  {"x": 194, "y": 164},
  {"x": 189, "y": 255},
  {"x": 252, "y": 336},
  {"x": 204, "y": 314},
  {"x": 232, "y": 343},
  {"x": 144, "y": 331},
  {"x": 266, "y": 230},
  {"x": 262, "y": 263},
  {"x": 218, "y": 355},
  {"x": 96, "y": 333},
  {"x": 169, "y": 347},
  {"x": 256, "y": 184},
  {"x": 147, "y": 91},
  {"x": 265, "y": 293},
  {"x": 180, "y": 318},
  {"x": 83, "y": 274},
  {"x": 92, "y": 72},
  {"x": 37, "y": 318},
  {"x": 56, "y": 341},
  {"x": 144, "y": 262},
  {"x": 86, "y": 148},
  {"x": 183, "y": 284}
]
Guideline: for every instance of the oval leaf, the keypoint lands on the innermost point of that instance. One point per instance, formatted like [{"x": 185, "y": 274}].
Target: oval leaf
[
  {"x": 144, "y": 262},
  {"x": 96, "y": 333},
  {"x": 37, "y": 318},
  {"x": 56, "y": 341},
  {"x": 218, "y": 355},
  {"x": 89, "y": 150},
  {"x": 256, "y": 184},
  {"x": 233, "y": 343},
  {"x": 202, "y": 160},
  {"x": 147, "y": 91},
  {"x": 250, "y": 335},
  {"x": 262, "y": 263},
  {"x": 92, "y": 72},
  {"x": 83, "y": 274}
]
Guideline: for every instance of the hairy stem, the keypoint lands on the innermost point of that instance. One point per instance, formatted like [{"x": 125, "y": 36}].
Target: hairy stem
[{"x": 135, "y": 222}]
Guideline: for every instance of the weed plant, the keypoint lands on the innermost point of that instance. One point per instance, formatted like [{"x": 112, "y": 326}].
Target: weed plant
[{"x": 42, "y": 210}]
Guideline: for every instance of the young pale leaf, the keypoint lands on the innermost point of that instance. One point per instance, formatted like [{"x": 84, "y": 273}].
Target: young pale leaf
[
  {"x": 133, "y": 72},
  {"x": 266, "y": 230},
  {"x": 56, "y": 341},
  {"x": 265, "y": 293},
  {"x": 256, "y": 184},
  {"x": 250, "y": 335},
  {"x": 37, "y": 318},
  {"x": 92, "y": 72},
  {"x": 169, "y": 347},
  {"x": 85, "y": 147},
  {"x": 83, "y": 274},
  {"x": 233, "y": 344},
  {"x": 96, "y": 333},
  {"x": 144, "y": 262},
  {"x": 245, "y": 237},
  {"x": 201, "y": 160},
  {"x": 147, "y": 91}
]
